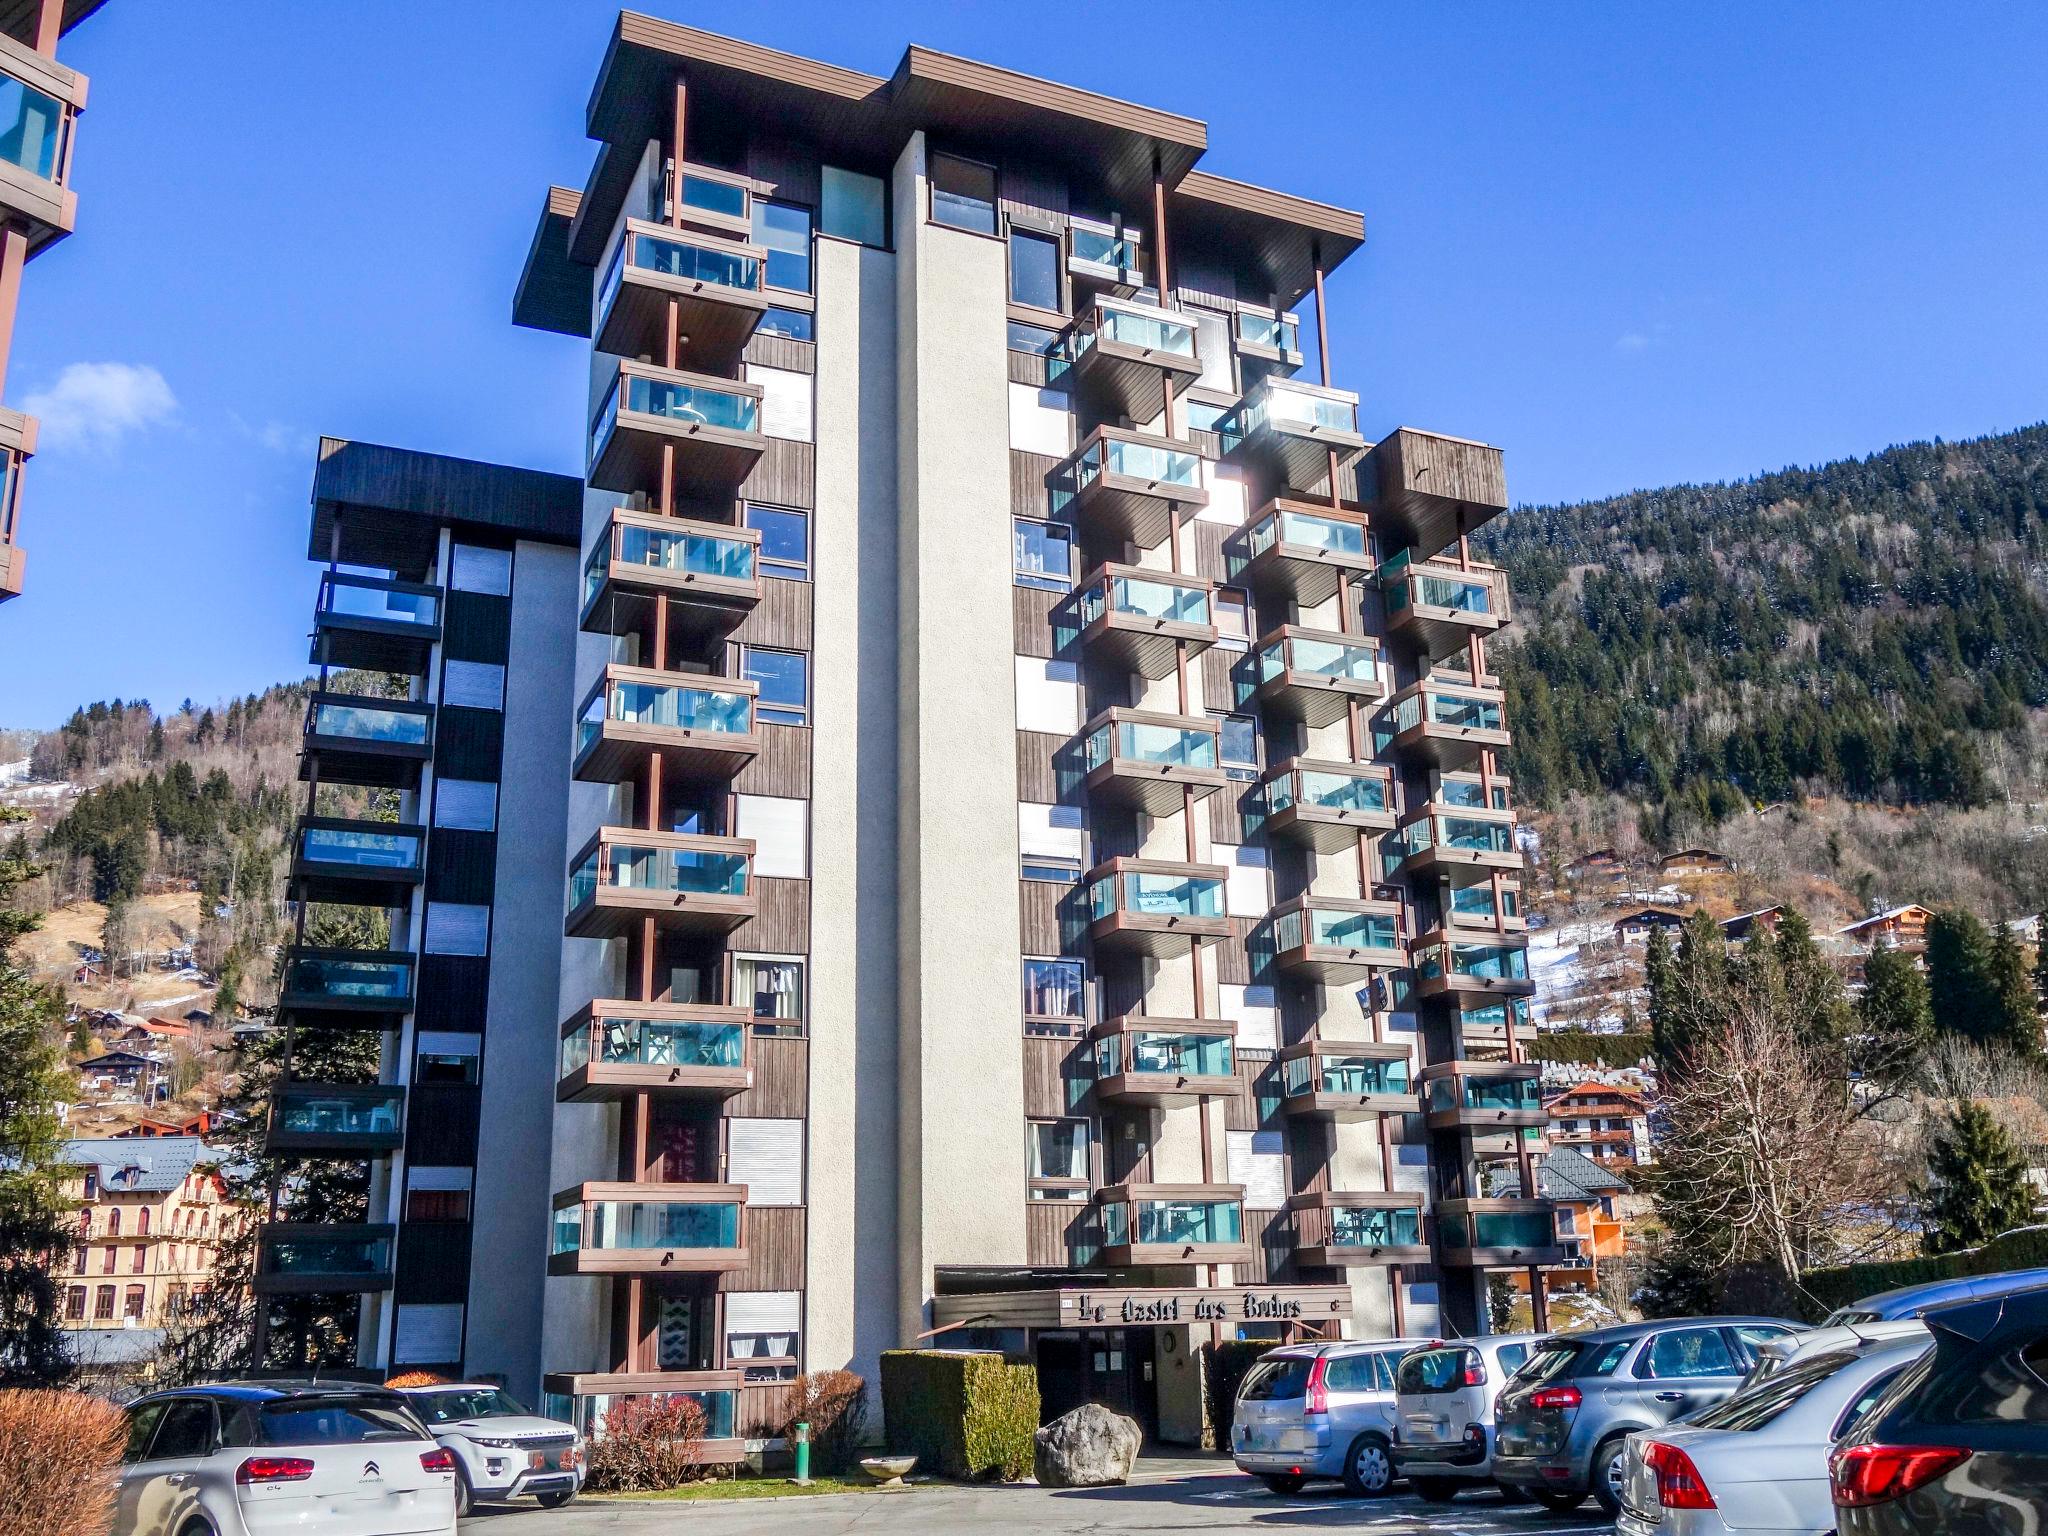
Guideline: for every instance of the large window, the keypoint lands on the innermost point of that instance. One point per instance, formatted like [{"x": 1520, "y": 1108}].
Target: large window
[
  {"x": 963, "y": 194},
  {"x": 1053, "y": 1001},
  {"x": 773, "y": 987},
  {"x": 1239, "y": 743},
  {"x": 851, "y": 206},
  {"x": 796, "y": 324},
  {"x": 784, "y": 231},
  {"x": 103, "y": 1303},
  {"x": 1034, "y": 270},
  {"x": 784, "y": 677},
  {"x": 1050, "y": 867},
  {"x": 1044, "y": 555},
  {"x": 1232, "y": 608},
  {"x": 785, "y": 541},
  {"x": 1056, "y": 1159}
]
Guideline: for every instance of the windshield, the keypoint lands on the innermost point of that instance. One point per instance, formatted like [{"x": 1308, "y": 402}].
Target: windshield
[
  {"x": 1431, "y": 1370},
  {"x": 321, "y": 1421},
  {"x": 465, "y": 1403},
  {"x": 1569, "y": 1359},
  {"x": 1271, "y": 1380},
  {"x": 1762, "y": 1405}
]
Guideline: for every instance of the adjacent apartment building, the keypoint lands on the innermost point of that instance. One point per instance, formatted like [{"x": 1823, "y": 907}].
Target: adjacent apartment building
[
  {"x": 40, "y": 101},
  {"x": 978, "y": 818}
]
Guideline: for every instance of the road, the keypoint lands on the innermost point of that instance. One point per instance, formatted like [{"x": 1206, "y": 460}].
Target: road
[{"x": 1168, "y": 1494}]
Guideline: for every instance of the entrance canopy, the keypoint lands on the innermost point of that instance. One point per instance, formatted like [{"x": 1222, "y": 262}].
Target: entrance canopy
[{"x": 1150, "y": 1306}]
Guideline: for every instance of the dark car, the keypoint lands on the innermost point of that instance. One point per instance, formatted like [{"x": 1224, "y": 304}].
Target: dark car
[
  {"x": 1561, "y": 1424},
  {"x": 1959, "y": 1445}
]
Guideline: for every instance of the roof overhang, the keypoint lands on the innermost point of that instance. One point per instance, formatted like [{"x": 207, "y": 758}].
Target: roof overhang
[
  {"x": 1082, "y": 1306},
  {"x": 554, "y": 292},
  {"x": 392, "y": 503}
]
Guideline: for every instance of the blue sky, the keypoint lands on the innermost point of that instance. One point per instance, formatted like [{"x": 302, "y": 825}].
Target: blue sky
[{"x": 1632, "y": 244}]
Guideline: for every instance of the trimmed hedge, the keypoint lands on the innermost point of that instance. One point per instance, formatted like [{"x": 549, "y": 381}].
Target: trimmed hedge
[
  {"x": 962, "y": 1415},
  {"x": 1827, "y": 1289},
  {"x": 1583, "y": 1048},
  {"x": 1228, "y": 1363}
]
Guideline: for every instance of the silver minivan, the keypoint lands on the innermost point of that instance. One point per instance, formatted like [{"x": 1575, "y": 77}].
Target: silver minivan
[
  {"x": 1320, "y": 1410},
  {"x": 1443, "y": 1411}
]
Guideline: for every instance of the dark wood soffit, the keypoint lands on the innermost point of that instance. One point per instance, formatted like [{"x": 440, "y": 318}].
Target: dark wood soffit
[
  {"x": 554, "y": 291},
  {"x": 382, "y": 484}
]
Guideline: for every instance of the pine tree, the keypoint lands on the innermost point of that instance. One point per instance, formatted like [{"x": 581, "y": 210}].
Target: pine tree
[
  {"x": 1813, "y": 991},
  {"x": 1977, "y": 1180},
  {"x": 2014, "y": 1022},
  {"x": 1691, "y": 993},
  {"x": 1959, "y": 973},
  {"x": 1894, "y": 1014}
]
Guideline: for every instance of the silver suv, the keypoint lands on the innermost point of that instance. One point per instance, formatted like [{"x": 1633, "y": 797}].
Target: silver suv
[
  {"x": 1562, "y": 1421},
  {"x": 1320, "y": 1410}
]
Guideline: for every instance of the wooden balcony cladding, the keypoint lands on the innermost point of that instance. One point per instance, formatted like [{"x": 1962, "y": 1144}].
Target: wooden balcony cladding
[
  {"x": 716, "y": 318},
  {"x": 1126, "y": 639},
  {"x": 784, "y": 476},
  {"x": 1432, "y": 488},
  {"x": 639, "y": 568},
  {"x": 1483, "y": 1095},
  {"x": 781, "y": 921},
  {"x": 636, "y": 1066},
  {"x": 1038, "y": 778},
  {"x": 773, "y": 351},
  {"x": 1440, "y": 859},
  {"x": 615, "y": 737},
  {"x": 783, "y": 765},
  {"x": 1499, "y": 1233},
  {"x": 1030, "y": 483},
  {"x": 1152, "y": 928},
  {"x": 782, "y": 1080},
  {"x": 710, "y": 459},
  {"x": 1125, "y": 1075},
  {"x": 1052, "y": 1230},
  {"x": 1116, "y": 373},
  {"x": 1308, "y": 808},
  {"x": 1437, "y": 609},
  {"x": 1057, "y": 1076},
  {"x": 1227, "y": 813},
  {"x": 1031, "y": 629},
  {"x": 1038, "y": 904},
  {"x": 1136, "y": 1251},
  {"x": 1298, "y": 551},
  {"x": 1219, "y": 671},
  {"x": 1233, "y": 954},
  {"x": 1297, "y": 684},
  {"x": 782, "y": 618},
  {"x": 774, "y": 1251},
  {"x": 1288, "y": 430},
  {"x": 1438, "y": 971},
  {"x": 1421, "y": 725},
  {"x": 1205, "y": 546},
  {"x": 1269, "y": 1233},
  {"x": 1321, "y": 938},
  {"x": 603, "y": 908}
]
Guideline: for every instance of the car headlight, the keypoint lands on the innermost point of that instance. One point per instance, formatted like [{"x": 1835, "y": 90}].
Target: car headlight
[{"x": 493, "y": 1445}]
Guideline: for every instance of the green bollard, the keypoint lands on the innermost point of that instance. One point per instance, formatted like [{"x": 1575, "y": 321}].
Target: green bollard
[{"x": 803, "y": 1456}]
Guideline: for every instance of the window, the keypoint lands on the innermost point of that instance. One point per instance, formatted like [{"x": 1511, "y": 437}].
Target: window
[
  {"x": 963, "y": 194},
  {"x": 437, "y": 1205},
  {"x": 1056, "y": 1149},
  {"x": 472, "y": 568},
  {"x": 1052, "y": 989},
  {"x": 1044, "y": 555},
  {"x": 473, "y": 684},
  {"x": 92, "y": 1184},
  {"x": 785, "y": 541},
  {"x": 78, "y": 1256},
  {"x": 851, "y": 206},
  {"x": 784, "y": 677},
  {"x": 1034, "y": 270},
  {"x": 1038, "y": 340},
  {"x": 773, "y": 986},
  {"x": 141, "y": 1259},
  {"x": 794, "y": 324},
  {"x": 1383, "y": 1367},
  {"x": 1048, "y": 696},
  {"x": 1238, "y": 745},
  {"x": 1232, "y": 609},
  {"x": 142, "y": 1222},
  {"x": 468, "y": 805},
  {"x": 1688, "y": 1352},
  {"x": 131, "y": 1303},
  {"x": 445, "y": 1057},
  {"x": 114, "y": 1222},
  {"x": 457, "y": 928},
  {"x": 784, "y": 231},
  {"x": 74, "y": 1304},
  {"x": 762, "y": 1325},
  {"x": 1042, "y": 866},
  {"x": 106, "y": 1261},
  {"x": 186, "y": 1432},
  {"x": 103, "y": 1303},
  {"x": 1202, "y": 416}
]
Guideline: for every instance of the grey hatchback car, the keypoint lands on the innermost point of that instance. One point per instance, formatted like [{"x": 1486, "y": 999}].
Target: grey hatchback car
[
  {"x": 1320, "y": 1410},
  {"x": 1562, "y": 1422}
]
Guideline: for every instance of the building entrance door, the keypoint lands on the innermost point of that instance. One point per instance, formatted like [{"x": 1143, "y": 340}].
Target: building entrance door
[{"x": 1115, "y": 1367}]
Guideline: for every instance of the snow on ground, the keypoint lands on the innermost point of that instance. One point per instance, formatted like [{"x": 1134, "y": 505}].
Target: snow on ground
[{"x": 15, "y": 772}]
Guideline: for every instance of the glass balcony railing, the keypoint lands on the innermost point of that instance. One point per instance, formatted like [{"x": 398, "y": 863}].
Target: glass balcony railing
[
  {"x": 590, "y": 1413},
  {"x": 1334, "y": 928},
  {"x": 1485, "y": 1095},
  {"x": 1498, "y": 1229},
  {"x": 32, "y": 128},
  {"x": 367, "y": 597},
  {"x": 366, "y": 1257},
  {"x": 1340, "y": 660},
  {"x": 1135, "y": 328},
  {"x": 305, "y": 1109},
  {"x": 618, "y": 1042},
  {"x": 682, "y": 552},
  {"x": 684, "y": 871},
  {"x": 1468, "y": 794},
  {"x": 1356, "y": 1226},
  {"x": 339, "y": 978},
  {"x": 1318, "y": 789},
  {"x": 1282, "y": 333},
  {"x": 1480, "y": 962},
  {"x": 1138, "y": 461},
  {"x": 1155, "y": 895},
  {"x": 675, "y": 256},
  {"x": 1137, "y": 598},
  {"x": 1451, "y": 710},
  {"x": 371, "y": 723},
  {"x": 683, "y": 707},
  {"x": 709, "y": 196},
  {"x": 1330, "y": 535},
  {"x": 1103, "y": 247},
  {"x": 1351, "y": 1076},
  {"x": 1178, "y": 1222},
  {"x": 1474, "y": 904},
  {"x": 1287, "y": 408},
  {"x": 693, "y": 404},
  {"x": 1154, "y": 745},
  {"x": 361, "y": 848},
  {"x": 613, "y": 1226},
  {"x": 1432, "y": 589},
  {"x": 1166, "y": 1054},
  {"x": 1495, "y": 1016}
]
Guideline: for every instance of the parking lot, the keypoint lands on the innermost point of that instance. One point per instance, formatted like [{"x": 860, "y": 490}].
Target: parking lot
[{"x": 1167, "y": 1494}]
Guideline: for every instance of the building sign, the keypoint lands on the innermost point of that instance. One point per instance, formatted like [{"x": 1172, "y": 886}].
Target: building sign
[{"x": 1228, "y": 1304}]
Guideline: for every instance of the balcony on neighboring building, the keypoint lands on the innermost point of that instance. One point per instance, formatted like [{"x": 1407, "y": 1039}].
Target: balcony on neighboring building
[
  {"x": 1497, "y": 1233},
  {"x": 1444, "y": 725},
  {"x": 644, "y": 1229},
  {"x": 1461, "y": 846},
  {"x": 702, "y": 726},
  {"x": 1290, "y": 429},
  {"x": 614, "y": 1049},
  {"x": 1349, "y": 1230},
  {"x": 1436, "y": 609},
  {"x": 1121, "y": 355},
  {"x": 375, "y": 624},
  {"x": 1327, "y": 806},
  {"x": 1173, "y": 1224},
  {"x": 1128, "y": 485},
  {"x": 1483, "y": 907},
  {"x": 1336, "y": 939},
  {"x": 712, "y": 424},
  {"x": 1433, "y": 489},
  {"x": 1315, "y": 675},
  {"x": 1135, "y": 620},
  {"x": 311, "y": 1258},
  {"x": 346, "y": 988},
  {"x": 375, "y": 743},
  {"x": 586, "y": 1398},
  {"x": 335, "y": 1119},
  {"x": 1346, "y": 1080},
  {"x": 1300, "y": 551},
  {"x": 684, "y": 882},
  {"x": 40, "y": 101},
  {"x": 1144, "y": 1060},
  {"x": 1483, "y": 1095},
  {"x": 1268, "y": 343},
  {"x": 354, "y": 863},
  {"x": 1150, "y": 762},
  {"x": 1105, "y": 258},
  {"x": 1155, "y": 908},
  {"x": 714, "y": 284},
  {"x": 1447, "y": 964},
  {"x": 707, "y": 571}
]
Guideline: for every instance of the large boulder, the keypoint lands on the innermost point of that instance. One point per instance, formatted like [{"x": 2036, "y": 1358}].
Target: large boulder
[{"x": 1088, "y": 1448}]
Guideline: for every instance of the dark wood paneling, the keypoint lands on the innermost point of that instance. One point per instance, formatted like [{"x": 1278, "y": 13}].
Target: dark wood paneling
[
  {"x": 1037, "y": 779},
  {"x": 783, "y": 475},
  {"x": 784, "y": 765},
  {"x": 461, "y": 865},
  {"x": 781, "y": 1091},
  {"x": 468, "y": 743},
  {"x": 1038, "y": 194},
  {"x": 782, "y": 926},
  {"x": 1207, "y": 539},
  {"x": 433, "y": 1262},
  {"x": 790, "y": 170},
  {"x": 476, "y": 626},
  {"x": 764, "y": 1409},
  {"x": 1271, "y": 1238},
  {"x": 1029, "y": 496},
  {"x": 1040, "y": 903},
  {"x": 1226, "y": 813},
  {"x": 782, "y": 352},
  {"x": 782, "y": 618},
  {"x": 441, "y": 1125},
  {"x": 1055, "y": 1077},
  {"x": 1031, "y": 620},
  {"x": 1051, "y": 1229},
  {"x": 1255, "y": 1069},
  {"x": 454, "y": 991},
  {"x": 1219, "y": 692},
  {"x": 1233, "y": 965},
  {"x": 1028, "y": 368},
  {"x": 775, "y": 1251}
]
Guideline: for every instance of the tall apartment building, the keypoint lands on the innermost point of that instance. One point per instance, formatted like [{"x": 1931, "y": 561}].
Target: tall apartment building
[
  {"x": 1024, "y": 855},
  {"x": 39, "y": 105}
]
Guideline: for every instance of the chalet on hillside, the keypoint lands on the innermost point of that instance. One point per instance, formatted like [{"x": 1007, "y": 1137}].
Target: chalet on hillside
[
  {"x": 1639, "y": 923},
  {"x": 1600, "y": 864},
  {"x": 115, "y": 1069},
  {"x": 1745, "y": 924},
  {"x": 198, "y": 1125},
  {"x": 1688, "y": 862},
  {"x": 1899, "y": 928}
]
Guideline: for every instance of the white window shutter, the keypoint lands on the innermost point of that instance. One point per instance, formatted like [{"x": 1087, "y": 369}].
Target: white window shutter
[
  {"x": 768, "y": 1157},
  {"x": 781, "y": 832}
]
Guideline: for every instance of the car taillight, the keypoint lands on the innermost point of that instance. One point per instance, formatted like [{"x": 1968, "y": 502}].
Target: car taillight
[
  {"x": 1555, "y": 1397},
  {"x": 1863, "y": 1475},
  {"x": 1679, "y": 1484},
  {"x": 1475, "y": 1373},
  {"x": 273, "y": 1469},
  {"x": 439, "y": 1459},
  {"x": 1318, "y": 1394}
]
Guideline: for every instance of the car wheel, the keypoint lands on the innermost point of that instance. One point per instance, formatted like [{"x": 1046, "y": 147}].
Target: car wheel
[
  {"x": 1557, "y": 1503},
  {"x": 1284, "y": 1482},
  {"x": 196, "y": 1528},
  {"x": 1606, "y": 1476},
  {"x": 1368, "y": 1469},
  {"x": 555, "y": 1498},
  {"x": 1434, "y": 1490},
  {"x": 464, "y": 1499}
]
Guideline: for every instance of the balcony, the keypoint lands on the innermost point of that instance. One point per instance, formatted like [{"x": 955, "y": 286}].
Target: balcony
[
  {"x": 703, "y": 727},
  {"x": 1444, "y": 725},
  {"x": 1484, "y": 1027},
  {"x": 1121, "y": 356},
  {"x": 1150, "y": 762},
  {"x": 1462, "y": 847},
  {"x": 376, "y": 743},
  {"x": 1135, "y": 620},
  {"x": 1356, "y": 1230},
  {"x": 1346, "y": 1080},
  {"x": 1484, "y": 1096},
  {"x": 714, "y": 284},
  {"x": 1498, "y": 1233},
  {"x": 336, "y": 1119},
  {"x": 1105, "y": 258},
  {"x": 17, "y": 445},
  {"x": 1173, "y": 1224},
  {"x": 312, "y": 1258},
  {"x": 1470, "y": 791},
  {"x": 714, "y": 426},
  {"x": 707, "y": 571},
  {"x": 1446, "y": 965},
  {"x": 1299, "y": 551},
  {"x": 1290, "y": 429},
  {"x": 374, "y": 624},
  {"x": 1486, "y": 907},
  {"x": 346, "y": 988},
  {"x": 1144, "y": 1060},
  {"x": 1432, "y": 489},
  {"x": 719, "y": 201},
  {"x": 1147, "y": 907},
  {"x": 1315, "y": 675},
  {"x": 641, "y": 1229},
  {"x": 358, "y": 863},
  {"x": 1437, "y": 609},
  {"x": 1335, "y": 940},
  {"x": 1327, "y": 806},
  {"x": 1267, "y": 343},
  {"x": 1128, "y": 485},
  {"x": 614, "y": 1050},
  {"x": 683, "y": 882},
  {"x": 584, "y": 1398},
  {"x": 39, "y": 105}
]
